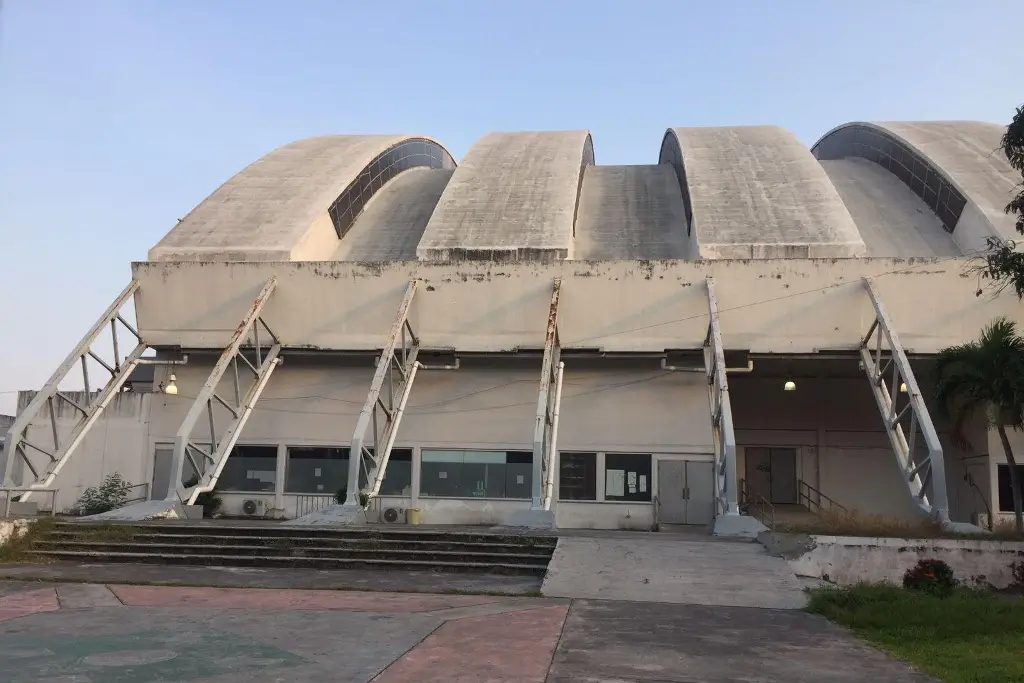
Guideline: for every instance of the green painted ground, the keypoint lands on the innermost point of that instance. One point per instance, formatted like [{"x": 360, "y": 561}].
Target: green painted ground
[{"x": 136, "y": 658}]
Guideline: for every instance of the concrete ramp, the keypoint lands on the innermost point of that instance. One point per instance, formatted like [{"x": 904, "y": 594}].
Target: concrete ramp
[{"x": 665, "y": 568}]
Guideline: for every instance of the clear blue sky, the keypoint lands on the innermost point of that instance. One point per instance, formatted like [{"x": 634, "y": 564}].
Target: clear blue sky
[{"x": 118, "y": 117}]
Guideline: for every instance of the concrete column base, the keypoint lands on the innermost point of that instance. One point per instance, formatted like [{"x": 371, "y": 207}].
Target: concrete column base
[{"x": 737, "y": 526}]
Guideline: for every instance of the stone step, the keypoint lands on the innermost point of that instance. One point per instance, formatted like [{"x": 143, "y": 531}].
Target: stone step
[
  {"x": 270, "y": 550},
  {"x": 146, "y": 536},
  {"x": 295, "y": 562},
  {"x": 382, "y": 533}
]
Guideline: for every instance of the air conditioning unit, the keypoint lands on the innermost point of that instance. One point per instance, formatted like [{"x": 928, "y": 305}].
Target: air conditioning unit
[
  {"x": 393, "y": 516},
  {"x": 254, "y": 507}
]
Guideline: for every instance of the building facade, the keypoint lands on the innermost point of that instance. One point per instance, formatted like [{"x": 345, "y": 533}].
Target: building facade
[{"x": 621, "y": 346}]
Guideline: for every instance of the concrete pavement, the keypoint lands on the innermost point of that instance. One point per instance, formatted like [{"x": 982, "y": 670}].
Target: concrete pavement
[
  {"x": 92, "y": 633},
  {"x": 671, "y": 569}
]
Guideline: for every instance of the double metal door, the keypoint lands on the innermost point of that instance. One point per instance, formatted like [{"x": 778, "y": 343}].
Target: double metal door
[{"x": 685, "y": 491}]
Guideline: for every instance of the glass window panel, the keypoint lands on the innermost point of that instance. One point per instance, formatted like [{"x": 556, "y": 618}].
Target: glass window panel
[
  {"x": 250, "y": 468},
  {"x": 577, "y": 476},
  {"x": 315, "y": 469},
  {"x": 398, "y": 475},
  {"x": 622, "y": 476},
  {"x": 917, "y": 185},
  {"x": 476, "y": 474}
]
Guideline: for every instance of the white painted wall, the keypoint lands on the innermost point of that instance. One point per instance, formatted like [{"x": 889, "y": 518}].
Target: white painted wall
[
  {"x": 118, "y": 442},
  {"x": 617, "y": 409},
  {"x": 767, "y": 306}
]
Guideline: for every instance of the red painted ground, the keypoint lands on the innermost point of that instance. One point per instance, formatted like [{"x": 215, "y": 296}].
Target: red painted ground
[
  {"x": 270, "y": 598},
  {"x": 28, "y": 602},
  {"x": 516, "y": 646}
]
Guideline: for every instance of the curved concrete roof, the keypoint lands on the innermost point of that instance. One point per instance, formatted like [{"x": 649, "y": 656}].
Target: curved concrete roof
[
  {"x": 279, "y": 207},
  {"x": 513, "y": 197},
  {"x": 965, "y": 154},
  {"x": 757, "y": 192},
  {"x": 390, "y": 226},
  {"x": 892, "y": 220},
  {"x": 631, "y": 212}
]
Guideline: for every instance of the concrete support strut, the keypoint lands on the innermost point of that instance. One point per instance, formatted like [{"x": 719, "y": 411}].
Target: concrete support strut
[
  {"x": 880, "y": 353},
  {"x": 726, "y": 494},
  {"x": 59, "y": 451},
  {"x": 203, "y": 474},
  {"x": 397, "y": 369},
  {"x": 548, "y": 397}
]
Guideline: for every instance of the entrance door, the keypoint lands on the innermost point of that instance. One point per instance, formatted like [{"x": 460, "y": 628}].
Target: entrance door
[
  {"x": 700, "y": 492},
  {"x": 672, "y": 491},
  {"x": 685, "y": 492},
  {"x": 771, "y": 473},
  {"x": 759, "y": 472},
  {"x": 783, "y": 471},
  {"x": 162, "y": 455}
]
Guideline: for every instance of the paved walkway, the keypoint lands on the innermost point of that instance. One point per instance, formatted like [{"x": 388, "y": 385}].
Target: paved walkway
[
  {"x": 672, "y": 569},
  {"x": 93, "y": 633},
  {"x": 275, "y": 577}
]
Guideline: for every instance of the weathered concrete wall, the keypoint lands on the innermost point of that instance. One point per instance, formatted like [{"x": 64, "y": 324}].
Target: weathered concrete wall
[
  {"x": 617, "y": 409},
  {"x": 277, "y": 208},
  {"x": 513, "y": 198},
  {"x": 118, "y": 442},
  {"x": 846, "y": 560},
  {"x": 892, "y": 220},
  {"x": 778, "y": 306},
  {"x": 757, "y": 192},
  {"x": 625, "y": 410}
]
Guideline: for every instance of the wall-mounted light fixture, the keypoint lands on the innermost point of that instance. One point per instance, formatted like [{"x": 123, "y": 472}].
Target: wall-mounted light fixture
[{"x": 790, "y": 385}]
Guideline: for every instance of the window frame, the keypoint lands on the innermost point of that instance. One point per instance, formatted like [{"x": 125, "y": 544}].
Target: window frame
[
  {"x": 649, "y": 499},
  {"x": 518, "y": 453},
  {"x": 220, "y": 479},
  {"x": 593, "y": 457}
]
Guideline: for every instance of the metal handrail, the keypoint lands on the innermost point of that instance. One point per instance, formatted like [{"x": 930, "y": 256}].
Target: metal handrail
[
  {"x": 811, "y": 502},
  {"x": 763, "y": 510},
  {"x": 143, "y": 497},
  {"x": 9, "y": 490}
]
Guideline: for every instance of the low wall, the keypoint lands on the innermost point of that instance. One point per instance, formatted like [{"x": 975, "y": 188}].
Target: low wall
[
  {"x": 13, "y": 528},
  {"x": 847, "y": 560}
]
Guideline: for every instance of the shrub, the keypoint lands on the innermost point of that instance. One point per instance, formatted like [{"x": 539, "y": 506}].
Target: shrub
[
  {"x": 209, "y": 500},
  {"x": 110, "y": 495},
  {"x": 933, "y": 577},
  {"x": 342, "y": 495}
]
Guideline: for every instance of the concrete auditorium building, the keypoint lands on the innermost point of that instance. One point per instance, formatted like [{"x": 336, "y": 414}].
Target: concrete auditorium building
[{"x": 742, "y": 328}]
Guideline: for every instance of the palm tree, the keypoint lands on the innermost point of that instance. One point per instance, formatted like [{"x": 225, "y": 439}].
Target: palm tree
[{"x": 986, "y": 376}]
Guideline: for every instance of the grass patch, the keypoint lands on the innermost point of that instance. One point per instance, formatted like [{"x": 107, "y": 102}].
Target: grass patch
[
  {"x": 853, "y": 523},
  {"x": 970, "y": 637},
  {"x": 20, "y": 549}
]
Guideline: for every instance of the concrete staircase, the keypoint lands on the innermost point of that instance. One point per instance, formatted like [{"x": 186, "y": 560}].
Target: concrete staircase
[{"x": 281, "y": 546}]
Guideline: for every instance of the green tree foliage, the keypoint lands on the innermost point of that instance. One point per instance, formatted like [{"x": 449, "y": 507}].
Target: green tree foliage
[
  {"x": 1003, "y": 263},
  {"x": 110, "y": 495},
  {"x": 986, "y": 377}
]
